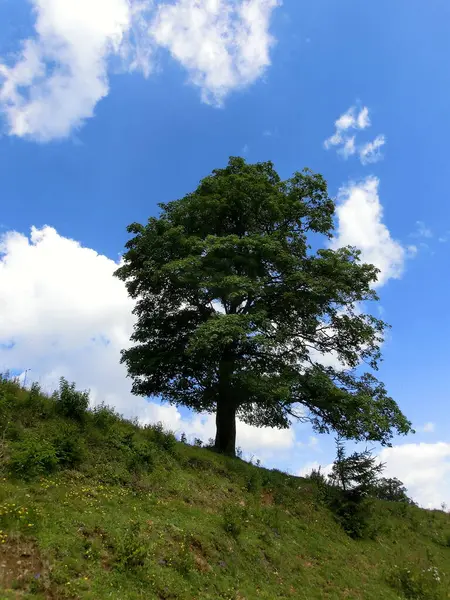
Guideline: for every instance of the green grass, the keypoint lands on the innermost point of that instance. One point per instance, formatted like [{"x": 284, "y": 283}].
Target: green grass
[{"x": 93, "y": 507}]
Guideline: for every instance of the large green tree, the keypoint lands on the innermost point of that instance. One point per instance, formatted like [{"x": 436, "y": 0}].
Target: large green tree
[{"x": 238, "y": 313}]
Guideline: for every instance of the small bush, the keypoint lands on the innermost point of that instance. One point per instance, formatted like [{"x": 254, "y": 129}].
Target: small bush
[
  {"x": 233, "y": 517},
  {"x": 70, "y": 402},
  {"x": 131, "y": 550},
  {"x": 104, "y": 416},
  {"x": 253, "y": 484},
  {"x": 165, "y": 440},
  {"x": 69, "y": 446},
  {"x": 417, "y": 583},
  {"x": 32, "y": 457},
  {"x": 183, "y": 559},
  {"x": 354, "y": 512},
  {"x": 141, "y": 457},
  {"x": 36, "y": 404}
]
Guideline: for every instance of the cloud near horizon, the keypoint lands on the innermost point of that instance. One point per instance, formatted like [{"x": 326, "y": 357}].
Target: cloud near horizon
[
  {"x": 62, "y": 72},
  {"x": 64, "y": 314}
]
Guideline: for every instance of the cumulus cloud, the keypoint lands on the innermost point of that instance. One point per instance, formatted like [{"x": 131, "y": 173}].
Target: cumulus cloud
[
  {"x": 423, "y": 468},
  {"x": 62, "y": 313},
  {"x": 223, "y": 45},
  {"x": 61, "y": 73},
  {"x": 360, "y": 223}
]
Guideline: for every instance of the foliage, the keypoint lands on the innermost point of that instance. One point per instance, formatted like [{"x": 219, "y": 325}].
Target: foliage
[
  {"x": 348, "y": 491},
  {"x": 417, "y": 583},
  {"x": 234, "y": 308},
  {"x": 165, "y": 440},
  {"x": 391, "y": 489},
  {"x": 71, "y": 402},
  {"x": 233, "y": 518},
  {"x": 31, "y": 457},
  {"x": 187, "y": 527},
  {"x": 69, "y": 445},
  {"x": 359, "y": 471},
  {"x": 131, "y": 551}
]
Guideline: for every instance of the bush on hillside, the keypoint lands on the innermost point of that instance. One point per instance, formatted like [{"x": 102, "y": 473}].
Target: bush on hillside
[
  {"x": 104, "y": 416},
  {"x": 165, "y": 440},
  {"x": 69, "y": 445},
  {"x": 417, "y": 583},
  {"x": 70, "y": 402},
  {"x": 391, "y": 489},
  {"x": 130, "y": 549},
  {"x": 347, "y": 491},
  {"x": 31, "y": 457}
]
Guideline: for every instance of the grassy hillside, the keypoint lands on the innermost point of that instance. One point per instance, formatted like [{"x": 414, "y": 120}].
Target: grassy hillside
[{"x": 92, "y": 506}]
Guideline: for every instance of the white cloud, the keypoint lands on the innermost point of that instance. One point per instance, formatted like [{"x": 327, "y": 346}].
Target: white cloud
[
  {"x": 352, "y": 119},
  {"x": 428, "y": 427},
  {"x": 223, "y": 45},
  {"x": 411, "y": 251},
  {"x": 423, "y": 468},
  {"x": 346, "y": 145},
  {"x": 61, "y": 73},
  {"x": 64, "y": 314},
  {"x": 314, "y": 466},
  {"x": 371, "y": 152},
  {"x": 360, "y": 223},
  {"x": 348, "y": 148},
  {"x": 362, "y": 120},
  {"x": 422, "y": 231}
]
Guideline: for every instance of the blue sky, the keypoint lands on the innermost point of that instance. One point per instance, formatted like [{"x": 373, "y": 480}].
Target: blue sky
[{"x": 108, "y": 107}]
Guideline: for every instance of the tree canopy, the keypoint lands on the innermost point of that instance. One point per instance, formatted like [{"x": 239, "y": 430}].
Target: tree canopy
[{"x": 239, "y": 314}]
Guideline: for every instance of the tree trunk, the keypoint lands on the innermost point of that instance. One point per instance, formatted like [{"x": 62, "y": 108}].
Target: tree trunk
[
  {"x": 226, "y": 407},
  {"x": 226, "y": 426}
]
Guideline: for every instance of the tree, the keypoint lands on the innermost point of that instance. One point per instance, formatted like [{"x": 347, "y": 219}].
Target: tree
[
  {"x": 236, "y": 310},
  {"x": 353, "y": 479},
  {"x": 391, "y": 489},
  {"x": 357, "y": 473}
]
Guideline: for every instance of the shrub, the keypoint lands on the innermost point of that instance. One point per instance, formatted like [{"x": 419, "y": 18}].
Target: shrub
[
  {"x": 104, "y": 416},
  {"x": 141, "y": 456},
  {"x": 70, "y": 402},
  {"x": 183, "y": 559},
  {"x": 69, "y": 446},
  {"x": 253, "y": 484},
  {"x": 391, "y": 489},
  {"x": 32, "y": 457},
  {"x": 165, "y": 440},
  {"x": 418, "y": 583},
  {"x": 36, "y": 403},
  {"x": 233, "y": 517},
  {"x": 354, "y": 512},
  {"x": 347, "y": 491},
  {"x": 131, "y": 550}
]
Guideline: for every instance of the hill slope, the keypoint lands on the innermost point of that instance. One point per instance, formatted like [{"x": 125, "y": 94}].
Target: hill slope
[{"x": 92, "y": 506}]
